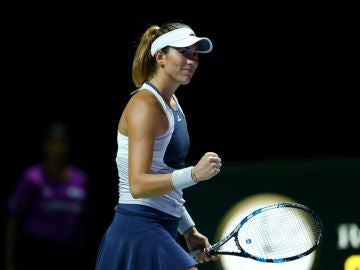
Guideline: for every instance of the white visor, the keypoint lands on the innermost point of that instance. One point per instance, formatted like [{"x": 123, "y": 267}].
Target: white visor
[{"x": 181, "y": 38}]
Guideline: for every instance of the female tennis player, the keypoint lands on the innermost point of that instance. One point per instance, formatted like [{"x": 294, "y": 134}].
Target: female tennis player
[{"x": 153, "y": 143}]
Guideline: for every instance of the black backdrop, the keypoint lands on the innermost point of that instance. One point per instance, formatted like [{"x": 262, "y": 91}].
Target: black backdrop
[{"x": 280, "y": 84}]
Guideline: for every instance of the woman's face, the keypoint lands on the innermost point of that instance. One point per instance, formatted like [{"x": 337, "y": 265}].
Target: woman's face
[
  {"x": 56, "y": 146},
  {"x": 181, "y": 63}
]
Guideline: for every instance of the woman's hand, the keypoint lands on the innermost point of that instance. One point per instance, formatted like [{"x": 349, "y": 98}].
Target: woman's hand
[
  {"x": 196, "y": 240},
  {"x": 207, "y": 167}
]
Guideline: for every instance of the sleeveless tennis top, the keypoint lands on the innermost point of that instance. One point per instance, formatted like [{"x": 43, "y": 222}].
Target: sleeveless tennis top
[{"x": 170, "y": 151}]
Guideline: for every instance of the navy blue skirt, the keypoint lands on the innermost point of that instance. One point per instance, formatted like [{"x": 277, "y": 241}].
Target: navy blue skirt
[{"x": 142, "y": 238}]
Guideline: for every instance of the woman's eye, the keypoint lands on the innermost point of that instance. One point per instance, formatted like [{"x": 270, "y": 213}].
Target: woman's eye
[
  {"x": 183, "y": 51},
  {"x": 187, "y": 53}
]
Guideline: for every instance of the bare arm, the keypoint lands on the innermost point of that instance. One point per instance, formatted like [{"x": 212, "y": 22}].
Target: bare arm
[{"x": 142, "y": 121}]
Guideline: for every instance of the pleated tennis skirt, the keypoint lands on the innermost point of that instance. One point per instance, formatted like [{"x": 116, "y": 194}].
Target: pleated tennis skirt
[{"x": 142, "y": 238}]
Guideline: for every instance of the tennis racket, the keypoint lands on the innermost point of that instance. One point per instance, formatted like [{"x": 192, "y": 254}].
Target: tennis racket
[{"x": 275, "y": 233}]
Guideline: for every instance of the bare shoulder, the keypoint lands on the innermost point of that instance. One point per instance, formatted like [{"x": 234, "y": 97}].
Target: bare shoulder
[
  {"x": 144, "y": 105},
  {"x": 139, "y": 111},
  {"x": 144, "y": 115},
  {"x": 144, "y": 99}
]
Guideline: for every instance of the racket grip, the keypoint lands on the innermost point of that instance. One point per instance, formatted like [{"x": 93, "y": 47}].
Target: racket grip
[{"x": 196, "y": 252}]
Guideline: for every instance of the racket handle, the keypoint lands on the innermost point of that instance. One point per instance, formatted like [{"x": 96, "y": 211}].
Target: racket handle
[{"x": 196, "y": 252}]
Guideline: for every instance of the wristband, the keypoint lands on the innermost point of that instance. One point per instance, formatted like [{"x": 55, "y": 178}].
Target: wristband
[
  {"x": 183, "y": 178},
  {"x": 185, "y": 222}
]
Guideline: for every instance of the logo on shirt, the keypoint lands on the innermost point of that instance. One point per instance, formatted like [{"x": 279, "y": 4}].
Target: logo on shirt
[{"x": 178, "y": 118}]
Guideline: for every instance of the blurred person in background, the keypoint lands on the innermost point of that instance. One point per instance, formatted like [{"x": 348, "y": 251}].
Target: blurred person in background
[{"x": 48, "y": 212}]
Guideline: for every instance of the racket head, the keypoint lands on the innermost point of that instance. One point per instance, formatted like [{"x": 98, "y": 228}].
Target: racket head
[{"x": 277, "y": 233}]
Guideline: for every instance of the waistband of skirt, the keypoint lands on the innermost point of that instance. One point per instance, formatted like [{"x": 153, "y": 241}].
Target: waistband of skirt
[{"x": 145, "y": 211}]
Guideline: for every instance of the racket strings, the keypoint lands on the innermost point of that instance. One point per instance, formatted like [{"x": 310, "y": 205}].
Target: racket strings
[{"x": 279, "y": 233}]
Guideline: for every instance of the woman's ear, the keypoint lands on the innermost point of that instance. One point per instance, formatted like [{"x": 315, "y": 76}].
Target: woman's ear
[{"x": 159, "y": 56}]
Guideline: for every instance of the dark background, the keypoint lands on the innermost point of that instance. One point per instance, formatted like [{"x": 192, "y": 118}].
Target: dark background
[{"x": 281, "y": 83}]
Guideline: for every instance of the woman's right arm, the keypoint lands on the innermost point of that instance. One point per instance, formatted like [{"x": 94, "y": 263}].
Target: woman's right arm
[{"x": 142, "y": 121}]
